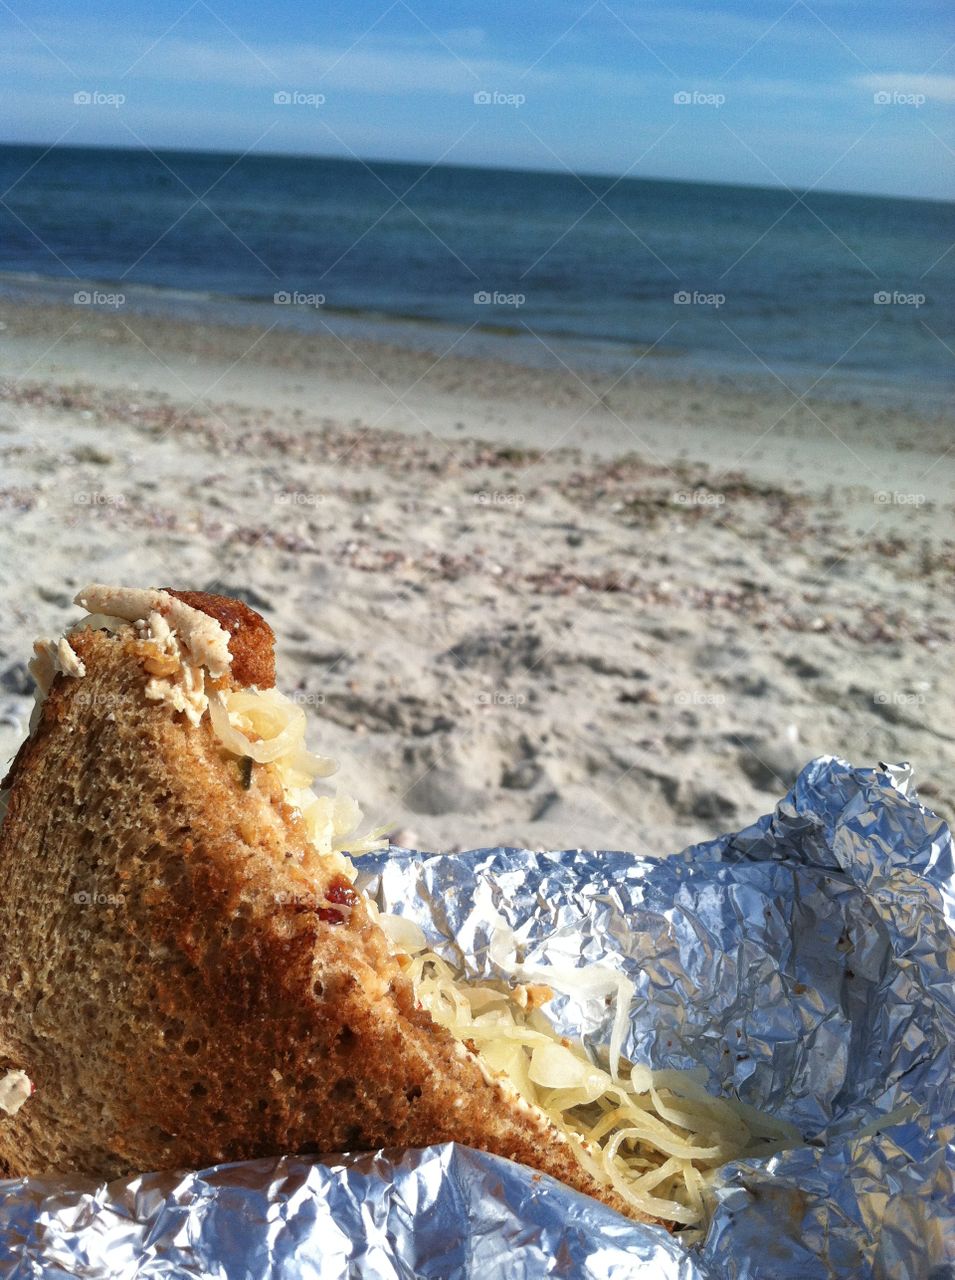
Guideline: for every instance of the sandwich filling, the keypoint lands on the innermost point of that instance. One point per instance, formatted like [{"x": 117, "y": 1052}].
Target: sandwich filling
[
  {"x": 188, "y": 643},
  {"x": 52, "y": 658},
  {"x": 656, "y": 1137},
  {"x": 202, "y": 638},
  {"x": 15, "y": 1088}
]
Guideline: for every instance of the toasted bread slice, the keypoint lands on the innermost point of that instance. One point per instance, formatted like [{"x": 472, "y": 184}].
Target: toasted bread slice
[{"x": 183, "y": 976}]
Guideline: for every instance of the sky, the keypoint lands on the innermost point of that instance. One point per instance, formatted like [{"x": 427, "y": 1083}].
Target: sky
[{"x": 833, "y": 95}]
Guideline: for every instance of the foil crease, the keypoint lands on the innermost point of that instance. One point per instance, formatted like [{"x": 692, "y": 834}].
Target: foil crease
[{"x": 805, "y": 964}]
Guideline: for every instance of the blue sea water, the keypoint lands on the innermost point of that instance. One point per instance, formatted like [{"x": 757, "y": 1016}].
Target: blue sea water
[{"x": 856, "y": 292}]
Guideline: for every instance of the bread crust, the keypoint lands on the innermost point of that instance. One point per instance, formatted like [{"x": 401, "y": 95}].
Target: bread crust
[
  {"x": 172, "y": 977},
  {"x": 251, "y": 639}
]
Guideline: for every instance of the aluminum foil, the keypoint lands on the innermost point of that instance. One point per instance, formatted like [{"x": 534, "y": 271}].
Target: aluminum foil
[{"x": 805, "y": 964}]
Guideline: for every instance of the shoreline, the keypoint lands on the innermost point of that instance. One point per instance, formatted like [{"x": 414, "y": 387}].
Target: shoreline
[
  {"x": 504, "y": 340},
  {"x": 522, "y": 608},
  {"x": 884, "y": 458}
]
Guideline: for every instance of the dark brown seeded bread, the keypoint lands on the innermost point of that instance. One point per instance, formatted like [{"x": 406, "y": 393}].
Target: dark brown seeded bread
[{"x": 184, "y": 978}]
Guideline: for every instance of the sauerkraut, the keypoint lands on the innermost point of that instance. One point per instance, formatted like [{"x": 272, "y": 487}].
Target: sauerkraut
[
  {"x": 266, "y": 727},
  {"x": 656, "y": 1137}
]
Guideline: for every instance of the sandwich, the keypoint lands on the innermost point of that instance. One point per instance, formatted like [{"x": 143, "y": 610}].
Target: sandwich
[{"x": 189, "y": 975}]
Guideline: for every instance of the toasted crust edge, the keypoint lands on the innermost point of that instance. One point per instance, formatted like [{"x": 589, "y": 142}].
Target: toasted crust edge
[{"x": 251, "y": 639}]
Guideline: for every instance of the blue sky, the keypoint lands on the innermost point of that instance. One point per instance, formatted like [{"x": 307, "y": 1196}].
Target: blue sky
[{"x": 843, "y": 96}]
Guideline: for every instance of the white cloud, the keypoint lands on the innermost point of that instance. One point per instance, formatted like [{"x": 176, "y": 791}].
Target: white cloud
[
  {"x": 847, "y": 36},
  {"x": 400, "y": 66},
  {"x": 398, "y": 69},
  {"x": 933, "y": 88},
  {"x": 416, "y": 64},
  {"x": 211, "y": 91}
]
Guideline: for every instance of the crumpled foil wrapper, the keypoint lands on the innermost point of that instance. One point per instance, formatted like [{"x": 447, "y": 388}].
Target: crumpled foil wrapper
[{"x": 805, "y": 963}]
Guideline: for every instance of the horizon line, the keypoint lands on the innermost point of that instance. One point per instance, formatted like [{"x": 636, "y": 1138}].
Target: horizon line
[{"x": 485, "y": 168}]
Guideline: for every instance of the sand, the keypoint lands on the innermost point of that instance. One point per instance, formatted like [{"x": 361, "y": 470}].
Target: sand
[{"x": 522, "y": 607}]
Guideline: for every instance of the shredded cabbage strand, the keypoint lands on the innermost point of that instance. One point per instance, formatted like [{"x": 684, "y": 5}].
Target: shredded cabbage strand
[
  {"x": 656, "y": 1137},
  {"x": 269, "y": 728}
]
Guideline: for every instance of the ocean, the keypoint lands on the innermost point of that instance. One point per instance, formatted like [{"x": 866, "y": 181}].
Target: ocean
[{"x": 842, "y": 295}]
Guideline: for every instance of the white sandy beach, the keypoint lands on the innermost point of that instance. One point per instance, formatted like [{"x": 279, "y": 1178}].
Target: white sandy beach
[{"x": 524, "y": 608}]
